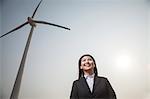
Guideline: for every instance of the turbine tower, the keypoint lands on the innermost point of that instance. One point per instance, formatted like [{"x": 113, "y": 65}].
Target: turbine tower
[{"x": 32, "y": 23}]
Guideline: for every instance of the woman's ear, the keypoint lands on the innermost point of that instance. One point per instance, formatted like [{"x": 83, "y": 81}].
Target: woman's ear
[{"x": 81, "y": 67}]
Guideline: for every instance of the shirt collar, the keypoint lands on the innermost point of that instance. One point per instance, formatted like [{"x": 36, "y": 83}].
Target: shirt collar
[{"x": 89, "y": 76}]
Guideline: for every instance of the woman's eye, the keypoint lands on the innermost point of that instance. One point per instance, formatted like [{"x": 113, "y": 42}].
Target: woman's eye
[
  {"x": 83, "y": 60},
  {"x": 90, "y": 59}
]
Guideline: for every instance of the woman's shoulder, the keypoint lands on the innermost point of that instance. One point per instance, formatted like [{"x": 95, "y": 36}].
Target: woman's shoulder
[
  {"x": 101, "y": 77},
  {"x": 77, "y": 80},
  {"x": 81, "y": 79}
]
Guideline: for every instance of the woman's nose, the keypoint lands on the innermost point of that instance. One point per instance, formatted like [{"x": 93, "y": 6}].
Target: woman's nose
[{"x": 86, "y": 61}]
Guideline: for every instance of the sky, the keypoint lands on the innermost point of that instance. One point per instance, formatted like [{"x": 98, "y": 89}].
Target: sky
[{"x": 113, "y": 31}]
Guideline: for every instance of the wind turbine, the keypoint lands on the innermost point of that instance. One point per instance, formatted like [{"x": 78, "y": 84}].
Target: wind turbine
[{"x": 32, "y": 22}]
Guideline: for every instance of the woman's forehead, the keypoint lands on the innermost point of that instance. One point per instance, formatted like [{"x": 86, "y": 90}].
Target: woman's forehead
[{"x": 86, "y": 57}]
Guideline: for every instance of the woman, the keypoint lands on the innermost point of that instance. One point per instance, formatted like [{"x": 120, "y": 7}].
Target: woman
[{"x": 89, "y": 85}]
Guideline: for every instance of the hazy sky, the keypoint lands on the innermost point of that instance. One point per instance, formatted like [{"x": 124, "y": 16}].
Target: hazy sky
[{"x": 113, "y": 31}]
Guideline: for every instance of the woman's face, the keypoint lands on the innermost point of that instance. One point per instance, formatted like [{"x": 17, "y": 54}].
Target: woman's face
[{"x": 87, "y": 63}]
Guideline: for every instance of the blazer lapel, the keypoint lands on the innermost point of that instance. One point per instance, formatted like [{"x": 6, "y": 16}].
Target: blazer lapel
[
  {"x": 86, "y": 85},
  {"x": 95, "y": 83}
]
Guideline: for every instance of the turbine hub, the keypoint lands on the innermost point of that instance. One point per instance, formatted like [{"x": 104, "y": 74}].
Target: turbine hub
[{"x": 31, "y": 22}]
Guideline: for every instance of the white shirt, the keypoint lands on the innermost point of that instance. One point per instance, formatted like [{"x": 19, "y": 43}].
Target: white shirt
[{"x": 90, "y": 81}]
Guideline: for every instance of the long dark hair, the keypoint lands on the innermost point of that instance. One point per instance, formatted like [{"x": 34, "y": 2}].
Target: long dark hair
[{"x": 79, "y": 64}]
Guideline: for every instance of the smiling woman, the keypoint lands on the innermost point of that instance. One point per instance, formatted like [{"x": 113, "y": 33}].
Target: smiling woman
[{"x": 89, "y": 85}]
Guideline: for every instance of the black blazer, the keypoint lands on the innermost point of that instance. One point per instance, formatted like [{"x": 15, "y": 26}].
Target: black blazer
[{"x": 101, "y": 89}]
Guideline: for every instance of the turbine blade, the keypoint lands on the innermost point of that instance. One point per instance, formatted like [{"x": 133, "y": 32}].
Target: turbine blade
[
  {"x": 43, "y": 22},
  {"x": 36, "y": 9},
  {"x": 14, "y": 29}
]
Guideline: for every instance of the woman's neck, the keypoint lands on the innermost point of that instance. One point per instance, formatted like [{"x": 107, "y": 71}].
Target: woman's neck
[{"x": 88, "y": 72}]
